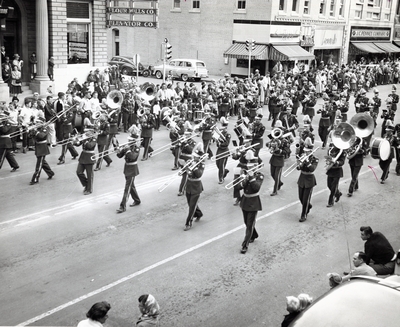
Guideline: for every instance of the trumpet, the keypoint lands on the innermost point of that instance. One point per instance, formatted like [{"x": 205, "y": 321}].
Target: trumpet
[
  {"x": 298, "y": 163},
  {"x": 244, "y": 176},
  {"x": 116, "y": 149},
  {"x": 239, "y": 149}
]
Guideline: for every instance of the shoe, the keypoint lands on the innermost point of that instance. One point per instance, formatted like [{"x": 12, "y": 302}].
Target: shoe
[
  {"x": 382, "y": 182},
  {"x": 329, "y": 205},
  {"x": 108, "y": 164},
  {"x": 50, "y": 176},
  {"x": 14, "y": 169},
  {"x": 226, "y": 172},
  {"x": 187, "y": 227},
  {"x": 150, "y": 154},
  {"x": 74, "y": 157},
  {"x": 252, "y": 239},
  {"x": 61, "y": 162},
  {"x": 338, "y": 197},
  {"x": 302, "y": 219},
  {"x": 175, "y": 168},
  {"x": 274, "y": 193},
  {"x": 280, "y": 185},
  {"x": 144, "y": 159},
  {"x": 121, "y": 210},
  {"x": 198, "y": 217},
  {"x": 180, "y": 193},
  {"x": 243, "y": 250},
  {"x": 134, "y": 204},
  {"x": 33, "y": 183},
  {"x": 86, "y": 192},
  {"x": 309, "y": 208},
  {"x": 97, "y": 169},
  {"x": 220, "y": 181},
  {"x": 349, "y": 194},
  {"x": 237, "y": 202}
]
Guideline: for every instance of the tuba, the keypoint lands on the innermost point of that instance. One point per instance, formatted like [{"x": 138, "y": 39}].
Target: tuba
[
  {"x": 147, "y": 91},
  {"x": 343, "y": 136},
  {"x": 363, "y": 124},
  {"x": 114, "y": 99}
]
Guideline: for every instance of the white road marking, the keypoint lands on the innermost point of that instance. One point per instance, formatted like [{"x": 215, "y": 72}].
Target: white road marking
[{"x": 162, "y": 262}]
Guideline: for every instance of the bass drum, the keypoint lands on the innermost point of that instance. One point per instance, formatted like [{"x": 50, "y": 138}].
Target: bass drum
[{"x": 380, "y": 149}]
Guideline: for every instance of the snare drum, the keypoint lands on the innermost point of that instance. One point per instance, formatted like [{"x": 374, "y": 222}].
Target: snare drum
[{"x": 380, "y": 149}]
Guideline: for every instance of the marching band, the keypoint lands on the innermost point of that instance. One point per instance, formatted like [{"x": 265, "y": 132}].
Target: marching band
[{"x": 210, "y": 110}]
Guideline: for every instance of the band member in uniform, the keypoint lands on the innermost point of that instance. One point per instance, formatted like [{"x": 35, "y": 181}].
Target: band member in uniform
[
  {"x": 207, "y": 128},
  {"x": 387, "y": 115},
  {"x": 102, "y": 141},
  {"x": 6, "y": 147},
  {"x": 325, "y": 121},
  {"x": 334, "y": 170},
  {"x": 185, "y": 155},
  {"x": 176, "y": 132},
  {"x": 250, "y": 203},
  {"x": 148, "y": 122},
  {"x": 223, "y": 146},
  {"x": 257, "y": 134},
  {"x": 86, "y": 163},
  {"x": 240, "y": 155},
  {"x": 306, "y": 181},
  {"x": 376, "y": 100},
  {"x": 66, "y": 130},
  {"x": 385, "y": 164},
  {"x": 395, "y": 98},
  {"x": 277, "y": 161},
  {"x": 131, "y": 170},
  {"x": 289, "y": 121},
  {"x": 113, "y": 121},
  {"x": 355, "y": 156},
  {"x": 194, "y": 186},
  {"x": 41, "y": 150},
  {"x": 361, "y": 101}
]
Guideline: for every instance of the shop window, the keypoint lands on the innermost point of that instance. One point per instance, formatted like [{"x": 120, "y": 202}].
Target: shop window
[
  {"x": 79, "y": 32},
  {"x": 241, "y": 5},
  {"x": 242, "y": 63},
  {"x": 306, "y": 9},
  {"x": 295, "y": 5}
]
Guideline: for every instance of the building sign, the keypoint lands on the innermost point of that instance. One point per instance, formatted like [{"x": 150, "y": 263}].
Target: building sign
[
  {"x": 370, "y": 33},
  {"x": 285, "y": 33},
  {"x": 328, "y": 39},
  {"x": 131, "y": 13}
]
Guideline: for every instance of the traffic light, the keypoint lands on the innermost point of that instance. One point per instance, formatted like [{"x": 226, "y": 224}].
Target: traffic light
[
  {"x": 250, "y": 45},
  {"x": 168, "y": 49}
]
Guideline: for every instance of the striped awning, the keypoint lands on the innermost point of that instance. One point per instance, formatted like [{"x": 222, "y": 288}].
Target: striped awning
[
  {"x": 387, "y": 46},
  {"x": 290, "y": 53},
  {"x": 367, "y": 47},
  {"x": 238, "y": 51}
]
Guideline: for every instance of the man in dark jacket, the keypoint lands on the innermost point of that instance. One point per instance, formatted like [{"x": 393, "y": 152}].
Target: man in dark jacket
[{"x": 334, "y": 171}]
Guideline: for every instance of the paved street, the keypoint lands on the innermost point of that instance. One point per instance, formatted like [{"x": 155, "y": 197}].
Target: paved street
[{"x": 62, "y": 251}]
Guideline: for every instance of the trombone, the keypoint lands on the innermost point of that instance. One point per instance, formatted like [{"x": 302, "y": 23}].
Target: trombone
[
  {"x": 238, "y": 149},
  {"x": 169, "y": 145},
  {"x": 243, "y": 176},
  {"x": 299, "y": 161},
  {"x": 174, "y": 176},
  {"x": 76, "y": 138},
  {"x": 116, "y": 149}
]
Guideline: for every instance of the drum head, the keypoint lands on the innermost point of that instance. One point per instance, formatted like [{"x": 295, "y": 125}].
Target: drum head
[{"x": 384, "y": 150}]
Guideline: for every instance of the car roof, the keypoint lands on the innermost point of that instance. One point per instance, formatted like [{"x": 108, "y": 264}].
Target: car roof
[
  {"x": 362, "y": 301},
  {"x": 187, "y": 60}
]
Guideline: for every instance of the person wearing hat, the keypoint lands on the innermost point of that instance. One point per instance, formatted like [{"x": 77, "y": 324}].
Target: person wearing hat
[
  {"x": 275, "y": 106},
  {"x": 334, "y": 279},
  {"x": 251, "y": 181},
  {"x": 324, "y": 124},
  {"x": 97, "y": 315},
  {"x": 361, "y": 101},
  {"x": 334, "y": 172},
  {"x": 377, "y": 101},
  {"x": 385, "y": 164},
  {"x": 223, "y": 142},
  {"x": 240, "y": 155},
  {"x": 395, "y": 97},
  {"x": 6, "y": 146},
  {"x": 307, "y": 164},
  {"x": 206, "y": 136},
  {"x": 185, "y": 155},
  {"x": 194, "y": 186},
  {"x": 18, "y": 62},
  {"x": 103, "y": 133},
  {"x": 258, "y": 130},
  {"x": 41, "y": 151},
  {"x": 356, "y": 161},
  {"x": 130, "y": 153},
  {"x": 388, "y": 114},
  {"x": 176, "y": 131},
  {"x": 147, "y": 122}
]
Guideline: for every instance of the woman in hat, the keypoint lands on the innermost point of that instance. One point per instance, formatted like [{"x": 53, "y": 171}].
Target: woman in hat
[{"x": 15, "y": 87}]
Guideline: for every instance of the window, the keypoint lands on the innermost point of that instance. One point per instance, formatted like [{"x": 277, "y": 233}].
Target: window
[
  {"x": 116, "y": 42},
  {"x": 373, "y": 15},
  {"x": 387, "y": 16},
  {"x": 241, "y": 5},
  {"x": 358, "y": 11},
  {"x": 295, "y": 5},
  {"x": 177, "y": 4},
  {"x": 322, "y": 7},
  {"x": 332, "y": 8},
  {"x": 341, "y": 5},
  {"x": 78, "y": 32},
  {"x": 196, "y": 4},
  {"x": 306, "y": 10},
  {"x": 281, "y": 4}
]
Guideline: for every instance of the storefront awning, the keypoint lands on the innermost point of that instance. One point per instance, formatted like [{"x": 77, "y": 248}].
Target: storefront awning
[
  {"x": 388, "y": 47},
  {"x": 290, "y": 52},
  {"x": 367, "y": 47},
  {"x": 238, "y": 51}
]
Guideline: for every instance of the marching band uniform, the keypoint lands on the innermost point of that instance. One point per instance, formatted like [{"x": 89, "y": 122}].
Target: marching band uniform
[
  {"x": 356, "y": 162},
  {"x": 250, "y": 203},
  {"x": 241, "y": 157},
  {"x": 41, "y": 150},
  {"x": 387, "y": 115},
  {"x": 223, "y": 146},
  {"x": 113, "y": 121},
  {"x": 324, "y": 122},
  {"x": 206, "y": 136},
  {"x": 289, "y": 121},
  {"x": 395, "y": 98},
  {"x": 194, "y": 187},
  {"x": 385, "y": 164},
  {"x": 66, "y": 130},
  {"x": 361, "y": 101},
  {"x": 258, "y": 132},
  {"x": 309, "y": 103},
  {"x": 174, "y": 136},
  {"x": 102, "y": 141},
  {"x": 128, "y": 109},
  {"x": 131, "y": 170},
  {"x": 147, "y": 122},
  {"x": 6, "y": 146},
  {"x": 377, "y": 102},
  {"x": 85, "y": 163},
  {"x": 185, "y": 155},
  {"x": 276, "y": 165},
  {"x": 334, "y": 174},
  {"x": 307, "y": 181}
]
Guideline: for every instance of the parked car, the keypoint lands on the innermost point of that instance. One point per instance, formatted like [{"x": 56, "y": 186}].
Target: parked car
[
  {"x": 360, "y": 302},
  {"x": 183, "y": 69},
  {"x": 127, "y": 66}
]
